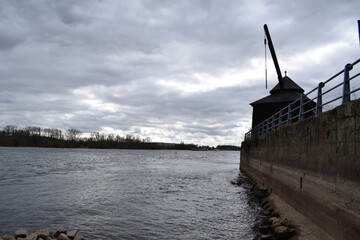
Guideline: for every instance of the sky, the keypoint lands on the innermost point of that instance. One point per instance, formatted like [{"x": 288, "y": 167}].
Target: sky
[{"x": 174, "y": 71}]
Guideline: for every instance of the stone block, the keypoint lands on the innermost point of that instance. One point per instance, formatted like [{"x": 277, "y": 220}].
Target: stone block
[
  {"x": 79, "y": 237},
  {"x": 21, "y": 233},
  {"x": 63, "y": 236},
  {"x": 71, "y": 234},
  {"x": 8, "y": 237},
  {"x": 32, "y": 236},
  {"x": 58, "y": 232},
  {"x": 44, "y": 233},
  {"x": 283, "y": 233}
]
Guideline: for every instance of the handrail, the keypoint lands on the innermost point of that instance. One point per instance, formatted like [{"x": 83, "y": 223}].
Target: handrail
[{"x": 295, "y": 111}]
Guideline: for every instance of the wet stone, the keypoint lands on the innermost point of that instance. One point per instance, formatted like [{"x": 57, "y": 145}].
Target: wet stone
[
  {"x": 8, "y": 237},
  {"x": 63, "y": 236},
  {"x": 21, "y": 233},
  {"x": 284, "y": 233},
  {"x": 58, "y": 232},
  {"x": 79, "y": 237},
  {"x": 71, "y": 234},
  {"x": 266, "y": 237},
  {"x": 44, "y": 234},
  {"x": 32, "y": 236},
  {"x": 264, "y": 229}
]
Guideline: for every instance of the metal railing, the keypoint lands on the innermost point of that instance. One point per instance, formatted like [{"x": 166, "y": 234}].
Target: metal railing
[{"x": 324, "y": 97}]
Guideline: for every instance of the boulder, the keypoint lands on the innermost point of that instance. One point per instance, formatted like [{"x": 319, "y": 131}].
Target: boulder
[
  {"x": 283, "y": 233},
  {"x": 43, "y": 233},
  {"x": 32, "y": 236},
  {"x": 63, "y": 236},
  {"x": 265, "y": 213},
  {"x": 71, "y": 234},
  {"x": 79, "y": 237},
  {"x": 266, "y": 237},
  {"x": 274, "y": 220},
  {"x": 21, "y": 233},
  {"x": 264, "y": 229},
  {"x": 8, "y": 237},
  {"x": 286, "y": 222},
  {"x": 58, "y": 232}
]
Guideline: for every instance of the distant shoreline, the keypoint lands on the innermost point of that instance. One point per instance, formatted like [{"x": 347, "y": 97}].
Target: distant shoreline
[{"x": 48, "y": 142}]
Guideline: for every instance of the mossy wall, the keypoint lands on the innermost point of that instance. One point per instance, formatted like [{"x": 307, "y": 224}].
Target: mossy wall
[{"x": 315, "y": 166}]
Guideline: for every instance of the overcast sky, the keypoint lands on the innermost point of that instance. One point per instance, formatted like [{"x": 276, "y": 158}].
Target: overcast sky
[{"x": 170, "y": 70}]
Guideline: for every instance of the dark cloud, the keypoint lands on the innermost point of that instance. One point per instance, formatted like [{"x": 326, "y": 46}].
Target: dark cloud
[{"x": 171, "y": 70}]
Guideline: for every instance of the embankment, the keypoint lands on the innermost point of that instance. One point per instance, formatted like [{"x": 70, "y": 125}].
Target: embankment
[{"x": 314, "y": 165}]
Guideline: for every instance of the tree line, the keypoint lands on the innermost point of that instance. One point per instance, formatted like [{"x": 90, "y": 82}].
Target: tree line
[{"x": 33, "y": 136}]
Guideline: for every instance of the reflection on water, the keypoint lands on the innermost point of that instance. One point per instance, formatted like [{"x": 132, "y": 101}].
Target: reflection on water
[{"x": 124, "y": 194}]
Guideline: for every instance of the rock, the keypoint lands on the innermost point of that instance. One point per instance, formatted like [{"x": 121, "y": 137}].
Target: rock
[
  {"x": 283, "y": 233},
  {"x": 21, "y": 233},
  {"x": 264, "y": 229},
  {"x": 265, "y": 221},
  {"x": 8, "y": 237},
  {"x": 32, "y": 236},
  {"x": 266, "y": 237},
  {"x": 79, "y": 237},
  {"x": 71, "y": 234},
  {"x": 266, "y": 212},
  {"x": 274, "y": 220},
  {"x": 287, "y": 223},
  {"x": 58, "y": 232},
  {"x": 275, "y": 214},
  {"x": 63, "y": 236},
  {"x": 44, "y": 234}
]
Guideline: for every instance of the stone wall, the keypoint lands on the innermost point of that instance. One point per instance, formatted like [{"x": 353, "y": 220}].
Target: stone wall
[{"x": 314, "y": 165}]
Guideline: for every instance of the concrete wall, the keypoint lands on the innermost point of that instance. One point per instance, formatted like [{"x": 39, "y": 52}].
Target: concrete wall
[{"x": 314, "y": 165}]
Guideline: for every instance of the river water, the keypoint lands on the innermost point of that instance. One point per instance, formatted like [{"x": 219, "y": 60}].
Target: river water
[{"x": 125, "y": 194}]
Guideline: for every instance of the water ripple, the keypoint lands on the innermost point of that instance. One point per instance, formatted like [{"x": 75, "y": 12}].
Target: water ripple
[{"x": 124, "y": 194}]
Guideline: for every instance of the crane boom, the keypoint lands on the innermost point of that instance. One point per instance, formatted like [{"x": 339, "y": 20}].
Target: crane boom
[{"x": 273, "y": 54}]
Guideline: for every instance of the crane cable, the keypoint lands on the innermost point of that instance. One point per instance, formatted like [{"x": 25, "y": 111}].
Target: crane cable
[{"x": 265, "y": 62}]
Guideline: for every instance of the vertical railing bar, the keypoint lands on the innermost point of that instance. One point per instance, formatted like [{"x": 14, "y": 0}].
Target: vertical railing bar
[
  {"x": 301, "y": 111},
  {"x": 319, "y": 99},
  {"x": 289, "y": 114},
  {"x": 346, "y": 86}
]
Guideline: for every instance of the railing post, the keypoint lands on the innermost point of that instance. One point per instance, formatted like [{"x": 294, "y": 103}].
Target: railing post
[
  {"x": 273, "y": 122},
  {"x": 289, "y": 114},
  {"x": 266, "y": 125},
  {"x": 280, "y": 118},
  {"x": 346, "y": 85},
  {"x": 301, "y": 109},
  {"x": 319, "y": 99}
]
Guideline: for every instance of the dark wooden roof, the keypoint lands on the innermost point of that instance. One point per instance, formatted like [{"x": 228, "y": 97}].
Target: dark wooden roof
[
  {"x": 289, "y": 93},
  {"x": 289, "y": 85},
  {"x": 278, "y": 98}
]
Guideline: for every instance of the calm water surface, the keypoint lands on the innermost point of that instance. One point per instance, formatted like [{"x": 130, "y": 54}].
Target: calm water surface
[{"x": 124, "y": 194}]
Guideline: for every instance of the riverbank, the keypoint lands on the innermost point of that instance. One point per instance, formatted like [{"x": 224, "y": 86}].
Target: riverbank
[
  {"x": 306, "y": 230},
  {"x": 44, "y": 234},
  {"x": 277, "y": 220}
]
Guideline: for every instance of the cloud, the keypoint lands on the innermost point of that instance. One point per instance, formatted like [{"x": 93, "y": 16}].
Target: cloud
[{"x": 170, "y": 70}]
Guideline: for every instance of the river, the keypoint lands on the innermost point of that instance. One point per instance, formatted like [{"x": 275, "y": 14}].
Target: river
[{"x": 125, "y": 194}]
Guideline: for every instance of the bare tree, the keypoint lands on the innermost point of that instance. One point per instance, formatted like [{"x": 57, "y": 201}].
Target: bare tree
[{"x": 73, "y": 134}]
